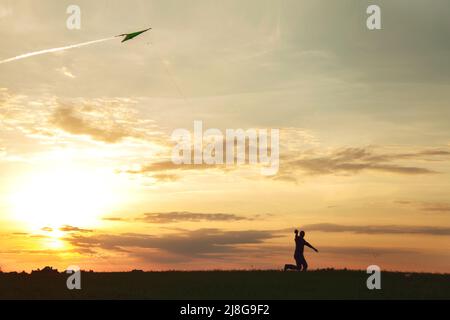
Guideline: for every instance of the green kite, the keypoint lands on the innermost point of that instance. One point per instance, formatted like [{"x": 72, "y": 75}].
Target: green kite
[{"x": 129, "y": 36}]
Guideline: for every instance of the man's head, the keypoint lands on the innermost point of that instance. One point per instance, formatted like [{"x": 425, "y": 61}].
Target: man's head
[{"x": 302, "y": 234}]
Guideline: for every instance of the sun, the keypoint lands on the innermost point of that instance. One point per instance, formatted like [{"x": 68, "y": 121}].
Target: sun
[
  {"x": 53, "y": 240},
  {"x": 63, "y": 196}
]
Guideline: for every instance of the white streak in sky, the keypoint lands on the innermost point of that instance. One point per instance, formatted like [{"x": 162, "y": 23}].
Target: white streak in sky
[{"x": 36, "y": 53}]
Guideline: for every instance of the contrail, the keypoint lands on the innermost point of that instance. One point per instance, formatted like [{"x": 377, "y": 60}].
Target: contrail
[{"x": 36, "y": 53}]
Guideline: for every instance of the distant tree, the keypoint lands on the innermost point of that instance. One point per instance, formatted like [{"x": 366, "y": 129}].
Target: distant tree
[
  {"x": 46, "y": 270},
  {"x": 137, "y": 271}
]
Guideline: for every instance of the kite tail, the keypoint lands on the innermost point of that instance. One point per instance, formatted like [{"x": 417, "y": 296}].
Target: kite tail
[{"x": 45, "y": 51}]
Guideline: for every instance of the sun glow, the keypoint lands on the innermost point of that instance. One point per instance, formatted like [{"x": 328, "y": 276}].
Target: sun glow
[
  {"x": 53, "y": 240},
  {"x": 65, "y": 196}
]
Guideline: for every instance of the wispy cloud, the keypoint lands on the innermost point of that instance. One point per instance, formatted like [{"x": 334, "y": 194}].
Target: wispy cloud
[
  {"x": 182, "y": 216},
  {"x": 437, "y": 207},
  {"x": 297, "y": 162},
  {"x": 68, "y": 228},
  {"x": 432, "y": 207},
  {"x": 114, "y": 219},
  {"x": 109, "y": 120},
  {"x": 65, "y": 71},
  {"x": 72, "y": 122},
  {"x": 362, "y": 251},
  {"x": 351, "y": 161},
  {"x": 191, "y": 244},
  {"x": 189, "y": 217},
  {"x": 168, "y": 165},
  {"x": 379, "y": 229}
]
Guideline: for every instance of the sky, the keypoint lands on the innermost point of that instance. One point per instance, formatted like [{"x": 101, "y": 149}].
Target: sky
[{"x": 85, "y": 167}]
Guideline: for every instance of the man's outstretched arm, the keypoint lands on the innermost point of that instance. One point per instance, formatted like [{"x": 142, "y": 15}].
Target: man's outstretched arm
[{"x": 309, "y": 245}]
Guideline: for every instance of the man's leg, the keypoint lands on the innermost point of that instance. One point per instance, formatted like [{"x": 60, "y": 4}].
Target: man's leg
[
  {"x": 305, "y": 266},
  {"x": 290, "y": 267},
  {"x": 304, "y": 263},
  {"x": 298, "y": 261}
]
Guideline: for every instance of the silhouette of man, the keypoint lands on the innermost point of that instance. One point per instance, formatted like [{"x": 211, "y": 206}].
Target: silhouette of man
[{"x": 300, "y": 260}]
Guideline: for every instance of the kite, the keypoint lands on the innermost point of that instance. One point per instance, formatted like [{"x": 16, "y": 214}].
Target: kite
[{"x": 129, "y": 36}]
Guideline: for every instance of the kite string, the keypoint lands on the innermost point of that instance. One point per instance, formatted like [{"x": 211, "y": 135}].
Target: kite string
[{"x": 171, "y": 75}]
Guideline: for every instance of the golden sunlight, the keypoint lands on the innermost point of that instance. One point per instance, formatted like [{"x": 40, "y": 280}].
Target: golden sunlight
[
  {"x": 63, "y": 196},
  {"x": 54, "y": 241}
]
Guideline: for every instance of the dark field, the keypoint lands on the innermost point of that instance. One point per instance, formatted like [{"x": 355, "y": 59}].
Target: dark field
[{"x": 227, "y": 285}]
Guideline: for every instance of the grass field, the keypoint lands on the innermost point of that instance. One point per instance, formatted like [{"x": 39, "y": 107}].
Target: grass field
[{"x": 326, "y": 284}]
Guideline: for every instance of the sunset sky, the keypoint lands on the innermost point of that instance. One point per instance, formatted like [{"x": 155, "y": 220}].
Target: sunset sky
[{"x": 85, "y": 171}]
